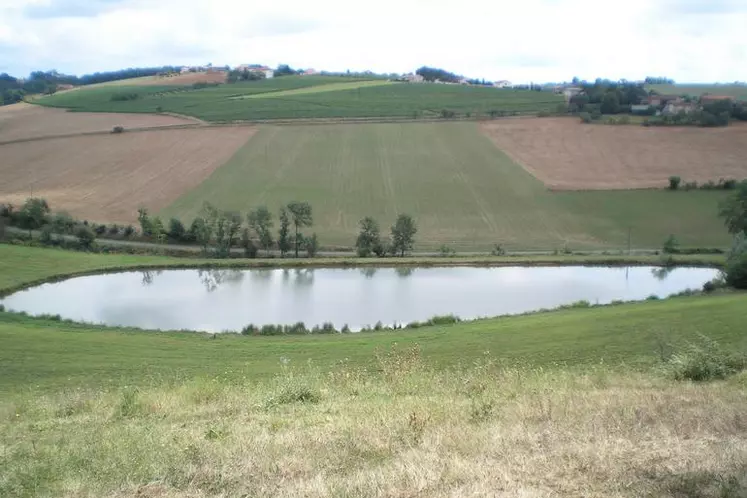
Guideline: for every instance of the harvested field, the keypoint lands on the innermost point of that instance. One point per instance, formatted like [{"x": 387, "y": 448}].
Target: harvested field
[
  {"x": 23, "y": 121},
  {"x": 189, "y": 78},
  {"x": 107, "y": 177},
  {"x": 178, "y": 79},
  {"x": 568, "y": 155}
]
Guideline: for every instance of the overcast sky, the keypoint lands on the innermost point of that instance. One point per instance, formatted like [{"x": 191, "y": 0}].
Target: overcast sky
[{"x": 517, "y": 40}]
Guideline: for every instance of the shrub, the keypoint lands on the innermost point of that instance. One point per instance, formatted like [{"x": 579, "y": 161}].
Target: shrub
[
  {"x": 100, "y": 229},
  {"x": 674, "y": 182},
  {"x": 85, "y": 237},
  {"x": 709, "y": 185},
  {"x": 713, "y": 285},
  {"x": 129, "y": 230},
  {"x": 123, "y": 96},
  {"x": 736, "y": 271},
  {"x": 583, "y": 304},
  {"x": 250, "y": 330},
  {"x": 2, "y": 308},
  {"x": 447, "y": 114},
  {"x": 118, "y": 129},
  {"x": 690, "y": 185},
  {"x": 176, "y": 230},
  {"x": 293, "y": 391},
  {"x": 446, "y": 251},
  {"x": 729, "y": 184},
  {"x": 705, "y": 361},
  {"x": 671, "y": 245},
  {"x": 345, "y": 329},
  {"x": 498, "y": 250},
  {"x": 328, "y": 328},
  {"x": 45, "y": 237},
  {"x": 312, "y": 245},
  {"x": 596, "y": 114},
  {"x": 585, "y": 117},
  {"x": 298, "y": 328},
  {"x": 444, "y": 320},
  {"x": 114, "y": 230},
  {"x": 271, "y": 330},
  {"x": 6, "y": 210},
  {"x": 129, "y": 406}
]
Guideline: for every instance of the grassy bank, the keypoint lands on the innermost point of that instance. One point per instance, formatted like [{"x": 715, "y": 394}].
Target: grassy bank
[
  {"x": 576, "y": 402},
  {"x": 24, "y": 266},
  {"x": 405, "y": 431},
  {"x": 50, "y": 355}
]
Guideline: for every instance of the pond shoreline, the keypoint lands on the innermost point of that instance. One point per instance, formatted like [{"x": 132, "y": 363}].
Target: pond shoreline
[
  {"x": 695, "y": 260},
  {"x": 156, "y": 263},
  {"x": 361, "y": 297}
]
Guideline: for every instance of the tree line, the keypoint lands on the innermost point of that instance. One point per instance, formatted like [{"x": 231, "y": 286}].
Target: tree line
[
  {"x": 218, "y": 231},
  {"x": 14, "y": 89}
]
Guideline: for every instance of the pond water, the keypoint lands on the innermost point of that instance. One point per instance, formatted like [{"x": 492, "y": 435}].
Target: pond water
[{"x": 222, "y": 300}]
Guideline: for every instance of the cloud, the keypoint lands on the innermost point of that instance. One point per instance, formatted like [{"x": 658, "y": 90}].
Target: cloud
[
  {"x": 701, "y": 7},
  {"x": 69, "y": 8},
  {"x": 531, "y": 40}
]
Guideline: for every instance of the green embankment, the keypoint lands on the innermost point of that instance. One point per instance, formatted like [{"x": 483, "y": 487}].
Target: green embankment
[
  {"x": 461, "y": 190},
  {"x": 51, "y": 354},
  {"x": 341, "y": 98},
  {"x": 21, "y": 266}
]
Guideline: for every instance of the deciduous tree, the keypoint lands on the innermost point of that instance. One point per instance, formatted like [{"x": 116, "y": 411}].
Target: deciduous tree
[
  {"x": 403, "y": 234},
  {"x": 284, "y": 242},
  {"x": 260, "y": 221},
  {"x": 368, "y": 238},
  {"x": 734, "y": 210},
  {"x": 300, "y": 213}
]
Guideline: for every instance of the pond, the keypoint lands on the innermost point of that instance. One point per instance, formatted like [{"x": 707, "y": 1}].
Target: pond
[{"x": 223, "y": 300}]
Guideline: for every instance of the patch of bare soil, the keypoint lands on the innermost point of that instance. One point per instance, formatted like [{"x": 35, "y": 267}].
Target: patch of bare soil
[
  {"x": 105, "y": 178},
  {"x": 568, "y": 155},
  {"x": 23, "y": 121},
  {"x": 190, "y": 78}
]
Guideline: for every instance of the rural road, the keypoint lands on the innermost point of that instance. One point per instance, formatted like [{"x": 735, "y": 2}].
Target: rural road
[{"x": 105, "y": 242}]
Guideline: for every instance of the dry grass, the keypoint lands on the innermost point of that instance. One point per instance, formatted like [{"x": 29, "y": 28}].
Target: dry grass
[
  {"x": 566, "y": 154},
  {"x": 23, "y": 121},
  {"x": 105, "y": 178},
  {"x": 478, "y": 431}
]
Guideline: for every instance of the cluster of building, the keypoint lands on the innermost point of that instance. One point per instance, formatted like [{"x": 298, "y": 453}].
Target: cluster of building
[
  {"x": 670, "y": 105},
  {"x": 268, "y": 72}
]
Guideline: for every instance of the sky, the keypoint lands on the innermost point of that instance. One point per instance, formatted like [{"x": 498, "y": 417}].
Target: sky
[{"x": 520, "y": 41}]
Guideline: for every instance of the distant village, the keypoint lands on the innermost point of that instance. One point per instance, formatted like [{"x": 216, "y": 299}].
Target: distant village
[{"x": 267, "y": 72}]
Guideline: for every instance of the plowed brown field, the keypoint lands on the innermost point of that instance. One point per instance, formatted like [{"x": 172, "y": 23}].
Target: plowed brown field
[
  {"x": 23, "y": 121},
  {"x": 568, "y": 155},
  {"x": 105, "y": 178}
]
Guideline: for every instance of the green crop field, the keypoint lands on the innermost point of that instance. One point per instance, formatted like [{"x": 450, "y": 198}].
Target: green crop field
[
  {"x": 460, "y": 188},
  {"x": 332, "y": 97},
  {"x": 737, "y": 91},
  {"x": 327, "y": 87}
]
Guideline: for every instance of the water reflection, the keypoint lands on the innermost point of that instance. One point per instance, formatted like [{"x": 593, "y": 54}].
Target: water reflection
[
  {"x": 227, "y": 299},
  {"x": 369, "y": 271},
  {"x": 149, "y": 275},
  {"x": 662, "y": 272},
  {"x": 212, "y": 279},
  {"x": 404, "y": 271}
]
